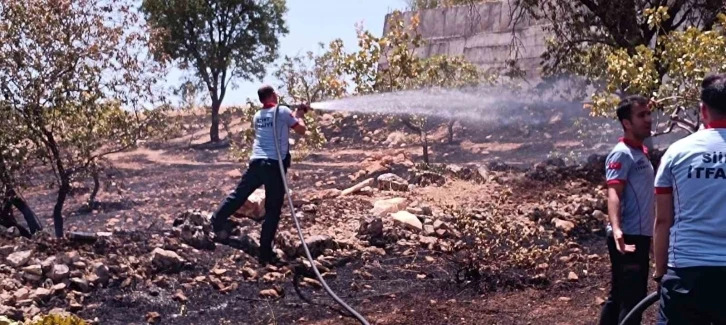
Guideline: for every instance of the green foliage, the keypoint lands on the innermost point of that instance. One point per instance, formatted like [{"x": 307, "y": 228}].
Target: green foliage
[
  {"x": 218, "y": 40},
  {"x": 57, "y": 319},
  {"x": 659, "y": 49},
  {"x": 73, "y": 81},
  {"x": 685, "y": 55}
]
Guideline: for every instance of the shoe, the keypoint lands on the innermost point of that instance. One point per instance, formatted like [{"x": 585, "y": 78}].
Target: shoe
[
  {"x": 269, "y": 257},
  {"x": 221, "y": 231}
]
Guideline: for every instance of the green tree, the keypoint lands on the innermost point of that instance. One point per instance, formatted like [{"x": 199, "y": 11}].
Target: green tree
[
  {"x": 218, "y": 40},
  {"x": 660, "y": 49},
  {"x": 74, "y": 82}
]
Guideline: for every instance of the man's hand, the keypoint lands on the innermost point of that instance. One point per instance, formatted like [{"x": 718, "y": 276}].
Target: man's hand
[
  {"x": 620, "y": 242},
  {"x": 301, "y": 110}
]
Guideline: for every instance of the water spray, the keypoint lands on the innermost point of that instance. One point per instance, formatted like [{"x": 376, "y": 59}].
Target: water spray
[{"x": 297, "y": 223}]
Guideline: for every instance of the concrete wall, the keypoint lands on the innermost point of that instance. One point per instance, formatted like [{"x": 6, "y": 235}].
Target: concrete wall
[{"x": 482, "y": 34}]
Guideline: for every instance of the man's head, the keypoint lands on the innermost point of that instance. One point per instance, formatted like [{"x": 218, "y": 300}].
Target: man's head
[
  {"x": 634, "y": 114},
  {"x": 267, "y": 94},
  {"x": 713, "y": 97}
]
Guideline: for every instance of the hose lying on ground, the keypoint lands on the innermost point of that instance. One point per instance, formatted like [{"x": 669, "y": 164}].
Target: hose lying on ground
[
  {"x": 641, "y": 306},
  {"x": 297, "y": 223}
]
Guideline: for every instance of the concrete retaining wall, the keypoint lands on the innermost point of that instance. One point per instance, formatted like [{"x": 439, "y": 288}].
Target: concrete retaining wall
[{"x": 481, "y": 33}]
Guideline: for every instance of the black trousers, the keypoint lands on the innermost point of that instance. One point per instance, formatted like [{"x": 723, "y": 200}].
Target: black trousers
[
  {"x": 629, "y": 284},
  {"x": 260, "y": 172},
  {"x": 693, "y": 296}
]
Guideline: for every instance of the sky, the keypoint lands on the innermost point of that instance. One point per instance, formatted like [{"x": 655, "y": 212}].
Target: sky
[{"x": 309, "y": 23}]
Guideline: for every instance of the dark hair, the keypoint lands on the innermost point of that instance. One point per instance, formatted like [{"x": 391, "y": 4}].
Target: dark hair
[
  {"x": 713, "y": 93},
  {"x": 625, "y": 107},
  {"x": 265, "y": 92}
]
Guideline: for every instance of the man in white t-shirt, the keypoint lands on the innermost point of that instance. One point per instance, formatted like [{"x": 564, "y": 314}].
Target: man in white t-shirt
[
  {"x": 690, "y": 228},
  {"x": 264, "y": 169}
]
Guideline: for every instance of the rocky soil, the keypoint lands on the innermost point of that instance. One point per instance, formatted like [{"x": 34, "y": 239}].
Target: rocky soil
[{"x": 457, "y": 243}]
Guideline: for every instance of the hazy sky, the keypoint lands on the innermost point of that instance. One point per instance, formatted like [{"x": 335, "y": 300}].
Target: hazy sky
[{"x": 311, "y": 22}]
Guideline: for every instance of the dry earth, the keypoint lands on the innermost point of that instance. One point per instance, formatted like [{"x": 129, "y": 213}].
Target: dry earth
[{"x": 480, "y": 238}]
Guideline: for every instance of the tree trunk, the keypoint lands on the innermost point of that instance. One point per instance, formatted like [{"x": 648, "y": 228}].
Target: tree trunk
[
  {"x": 214, "y": 129},
  {"x": 425, "y": 144},
  {"x": 94, "y": 192},
  {"x": 65, "y": 187},
  {"x": 30, "y": 217},
  {"x": 451, "y": 131}
]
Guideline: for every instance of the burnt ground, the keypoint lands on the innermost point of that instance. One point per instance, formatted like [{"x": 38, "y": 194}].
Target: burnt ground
[{"x": 147, "y": 188}]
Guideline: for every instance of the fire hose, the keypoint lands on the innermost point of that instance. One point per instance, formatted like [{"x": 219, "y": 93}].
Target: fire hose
[
  {"x": 641, "y": 306},
  {"x": 297, "y": 222}
]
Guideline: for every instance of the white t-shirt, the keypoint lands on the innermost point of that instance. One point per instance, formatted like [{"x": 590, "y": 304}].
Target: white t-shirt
[{"x": 694, "y": 170}]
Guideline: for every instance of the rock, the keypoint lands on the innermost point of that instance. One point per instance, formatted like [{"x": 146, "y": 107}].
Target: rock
[
  {"x": 269, "y": 293},
  {"x": 59, "y": 273},
  {"x": 382, "y": 208},
  {"x": 425, "y": 178},
  {"x": 254, "y": 207},
  {"x": 317, "y": 245},
  {"x": 407, "y": 220},
  {"x": 427, "y": 240},
  {"x": 80, "y": 284},
  {"x": 599, "y": 301},
  {"x": 180, "y": 297},
  {"x": 58, "y": 287},
  {"x": 40, "y": 294},
  {"x": 166, "y": 260},
  {"x": 564, "y": 299},
  {"x": 415, "y": 210},
  {"x": 371, "y": 228},
  {"x": 599, "y": 215},
  {"x": 102, "y": 273},
  {"x": 11, "y": 313},
  {"x": 194, "y": 227},
  {"x": 33, "y": 269},
  {"x": 393, "y": 182},
  {"x": 153, "y": 317},
  {"x": 79, "y": 265},
  {"x": 313, "y": 283},
  {"x": 438, "y": 224},
  {"x": 48, "y": 263},
  {"x": 10, "y": 284},
  {"x": 21, "y": 294},
  {"x": 32, "y": 277},
  {"x": 572, "y": 276},
  {"x": 249, "y": 273},
  {"x": 19, "y": 259},
  {"x": 429, "y": 230},
  {"x": 563, "y": 225},
  {"x": 6, "y": 250}
]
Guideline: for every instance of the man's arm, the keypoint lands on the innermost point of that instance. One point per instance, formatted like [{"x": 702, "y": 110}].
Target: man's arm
[
  {"x": 661, "y": 232},
  {"x": 616, "y": 173},
  {"x": 615, "y": 194},
  {"x": 664, "y": 214},
  {"x": 297, "y": 121}
]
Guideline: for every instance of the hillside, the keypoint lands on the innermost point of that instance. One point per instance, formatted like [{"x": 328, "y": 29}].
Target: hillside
[{"x": 496, "y": 231}]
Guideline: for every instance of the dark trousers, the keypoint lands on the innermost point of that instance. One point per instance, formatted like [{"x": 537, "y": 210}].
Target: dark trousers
[
  {"x": 629, "y": 284},
  {"x": 693, "y": 296},
  {"x": 260, "y": 172}
]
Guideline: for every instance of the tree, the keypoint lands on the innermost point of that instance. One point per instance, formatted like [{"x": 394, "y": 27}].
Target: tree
[
  {"x": 219, "y": 40},
  {"x": 623, "y": 47},
  {"x": 75, "y": 81},
  {"x": 685, "y": 56},
  {"x": 15, "y": 154}
]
